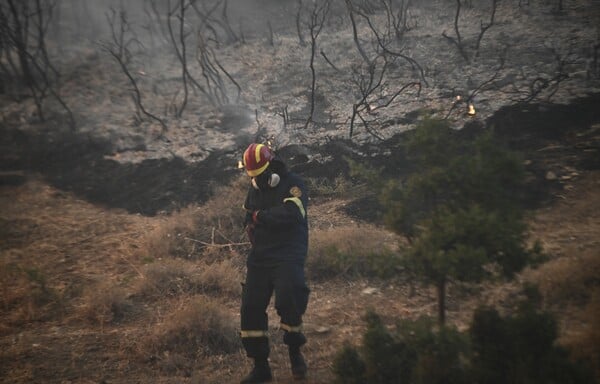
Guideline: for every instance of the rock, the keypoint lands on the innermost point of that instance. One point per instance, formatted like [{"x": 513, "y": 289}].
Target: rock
[
  {"x": 369, "y": 291},
  {"x": 551, "y": 176}
]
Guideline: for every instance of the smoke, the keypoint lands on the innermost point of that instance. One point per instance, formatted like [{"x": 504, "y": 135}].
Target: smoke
[{"x": 77, "y": 23}]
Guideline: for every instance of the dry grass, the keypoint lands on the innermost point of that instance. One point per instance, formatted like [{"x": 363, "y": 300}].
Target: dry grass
[
  {"x": 26, "y": 294},
  {"x": 195, "y": 328},
  {"x": 206, "y": 232},
  {"x": 104, "y": 303},
  {"x": 170, "y": 237},
  {"x": 351, "y": 251},
  {"x": 174, "y": 278},
  {"x": 584, "y": 340},
  {"x": 221, "y": 278},
  {"x": 568, "y": 279}
]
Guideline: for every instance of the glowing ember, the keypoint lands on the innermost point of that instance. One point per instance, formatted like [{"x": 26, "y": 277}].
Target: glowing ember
[{"x": 471, "y": 110}]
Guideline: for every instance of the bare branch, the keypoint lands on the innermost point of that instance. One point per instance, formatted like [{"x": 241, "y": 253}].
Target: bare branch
[
  {"x": 317, "y": 20},
  {"x": 119, "y": 50},
  {"x": 485, "y": 27},
  {"x": 458, "y": 41}
]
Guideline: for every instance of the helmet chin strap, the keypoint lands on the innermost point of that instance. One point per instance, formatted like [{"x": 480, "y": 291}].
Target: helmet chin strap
[{"x": 272, "y": 181}]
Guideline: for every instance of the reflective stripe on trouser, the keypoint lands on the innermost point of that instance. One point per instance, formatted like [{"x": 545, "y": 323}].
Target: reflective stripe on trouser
[
  {"x": 291, "y": 299},
  {"x": 254, "y": 333}
]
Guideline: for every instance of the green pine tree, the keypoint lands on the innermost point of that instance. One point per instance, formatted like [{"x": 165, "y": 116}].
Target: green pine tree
[{"x": 461, "y": 209}]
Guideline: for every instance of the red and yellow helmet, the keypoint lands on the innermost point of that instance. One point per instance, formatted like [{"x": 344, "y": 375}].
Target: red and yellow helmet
[{"x": 257, "y": 158}]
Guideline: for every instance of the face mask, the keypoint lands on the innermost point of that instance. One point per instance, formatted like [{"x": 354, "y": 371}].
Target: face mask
[{"x": 265, "y": 180}]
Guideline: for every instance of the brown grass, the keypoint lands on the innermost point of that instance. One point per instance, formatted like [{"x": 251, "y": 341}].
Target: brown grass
[
  {"x": 27, "y": 295},
  {"x": 104, "y": 303},
  {"x": 568, "y": 279},
  {"x": 173, "y": 278},
  {"x": 196, "y": 327},
  {"x": 351, "y": 250},
  {"x": 584, "y": 340},
  {"x": 170, "y": 237},
  {"x": 205, "y": 232}
]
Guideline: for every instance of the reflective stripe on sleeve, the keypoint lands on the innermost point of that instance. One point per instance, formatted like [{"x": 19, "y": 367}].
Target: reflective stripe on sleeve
[
  {"x": 290, "y": 328},
  {"x": 298, "y": 202},
  {"x": 254, "y": 333}
]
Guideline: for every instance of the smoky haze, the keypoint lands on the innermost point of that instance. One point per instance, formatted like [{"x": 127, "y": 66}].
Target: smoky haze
[{"x": 77, "y": 23}]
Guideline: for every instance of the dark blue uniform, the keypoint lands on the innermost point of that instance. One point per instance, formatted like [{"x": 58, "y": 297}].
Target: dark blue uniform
[{"x": 279, "y": 236}]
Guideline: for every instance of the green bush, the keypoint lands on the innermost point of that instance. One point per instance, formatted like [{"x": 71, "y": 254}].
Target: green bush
[
  {"x": 518, "y": 349},
  {"x": 414, "y": 353},
  {"x": 348, "y": 366},
  {"x": 462, "y": 208}
]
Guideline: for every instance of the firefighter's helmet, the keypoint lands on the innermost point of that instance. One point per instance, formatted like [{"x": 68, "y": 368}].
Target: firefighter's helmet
[{"x": 257, "y": 158}]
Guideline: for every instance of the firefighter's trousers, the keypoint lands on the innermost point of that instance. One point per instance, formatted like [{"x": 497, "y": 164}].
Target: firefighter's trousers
[{"x": 291, "y": 298}]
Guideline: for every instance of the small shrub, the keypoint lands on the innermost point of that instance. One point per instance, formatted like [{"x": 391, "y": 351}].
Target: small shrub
[
  {"x": 414, "y": 353},
  {"x": 338, "y": 187},
  {"x": 515, "y": 349},
  {"x": 27, "y": 296},
  {"x": 221, "y": 219},
  {"x": 568, "y": 279},
  {"x": 520, "y": 349},
  {"x": 104, "y": 304},
  {"x": 201, "y": 327},
  {"x": 348, "y": 366},
  {"x": 585, "y": 344},
  {"x": 352, "y": 251},
  {"x": 172, "y": 278},
  {"x": 198, "y": 231},
  {"x": 221, "y": 277},
  {"x": 170, "y": 237}
]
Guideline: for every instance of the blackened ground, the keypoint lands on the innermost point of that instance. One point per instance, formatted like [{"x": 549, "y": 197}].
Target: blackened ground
[{"x": 554, "y": 138}]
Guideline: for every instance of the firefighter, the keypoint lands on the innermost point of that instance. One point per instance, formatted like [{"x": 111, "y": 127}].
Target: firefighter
[{"x": 277, "y": 228}]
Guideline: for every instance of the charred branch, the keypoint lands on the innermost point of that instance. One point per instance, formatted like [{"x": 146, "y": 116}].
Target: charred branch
[
  {"x": 370, "y": 84},
  {"x": 211, "y": 71},
  {"x": 301, "y": 40},
  {"x": 458, "y": 40},
  {"x": 397, "y": 18},
  {"x": 351, "y": 13},
  {"x": 24, "y": 59},
  {"x": 483, "y": 86},
  {"x": 545, "y": 87},
  {"x": 485, "y": 27},
  {"x": 123, "y": 37},
  {"x": 317, "y": 19},
  {"x": 219, "y": 26},
  {"x": 329, "y": 61}
]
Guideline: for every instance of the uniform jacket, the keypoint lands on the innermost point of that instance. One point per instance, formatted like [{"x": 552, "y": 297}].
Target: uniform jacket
[{"x": 281, "y": 231}]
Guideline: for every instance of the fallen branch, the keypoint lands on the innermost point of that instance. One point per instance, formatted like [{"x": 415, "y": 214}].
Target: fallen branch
[{"x": 227, "y": 245}]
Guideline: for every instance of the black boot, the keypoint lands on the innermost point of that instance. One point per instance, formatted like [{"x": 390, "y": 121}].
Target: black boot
[
  {"x": 298, "y": 364},
  {"x": 260, "y": 374}
]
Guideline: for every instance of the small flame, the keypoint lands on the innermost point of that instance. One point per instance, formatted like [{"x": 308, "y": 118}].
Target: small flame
[
  {"x": 458, "y": 97},
  {"x": 240, "y": 164},
  {"x": 471, "y": 110}
]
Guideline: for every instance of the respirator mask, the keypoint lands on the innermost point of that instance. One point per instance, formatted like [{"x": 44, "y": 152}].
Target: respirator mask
[{"x": 265, "y": 180}]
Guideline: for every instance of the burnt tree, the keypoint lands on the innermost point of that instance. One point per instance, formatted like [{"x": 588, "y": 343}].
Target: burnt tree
[{"x": 24, "y": 58}]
